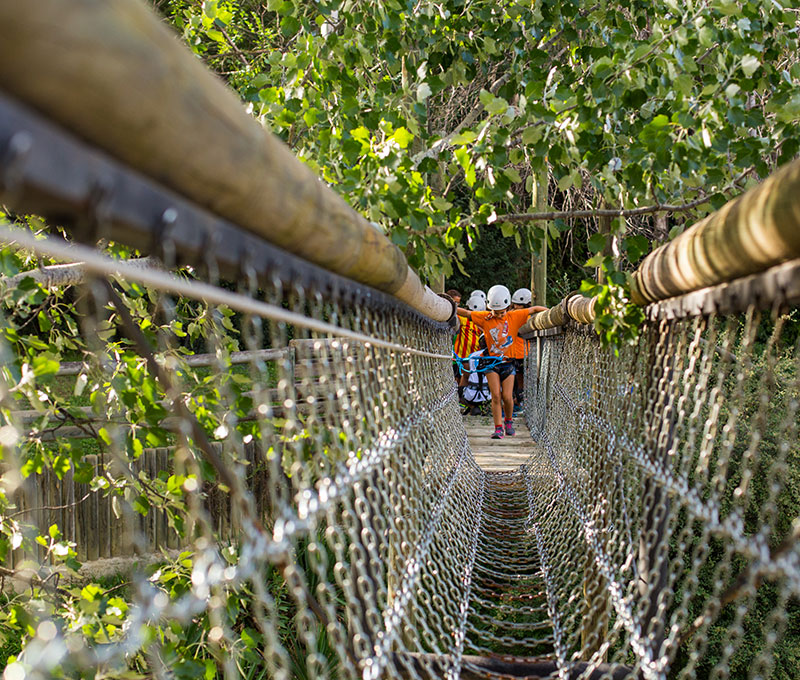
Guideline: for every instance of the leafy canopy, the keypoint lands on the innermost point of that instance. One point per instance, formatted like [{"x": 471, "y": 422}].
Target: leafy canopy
[{"x": 431, "y": 117}]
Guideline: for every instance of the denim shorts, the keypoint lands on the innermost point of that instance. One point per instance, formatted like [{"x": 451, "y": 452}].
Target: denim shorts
[{"x": 504, "y": 369}]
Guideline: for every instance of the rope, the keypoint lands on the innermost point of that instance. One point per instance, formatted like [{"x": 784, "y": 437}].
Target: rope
[{"x": 97, "y": 263}]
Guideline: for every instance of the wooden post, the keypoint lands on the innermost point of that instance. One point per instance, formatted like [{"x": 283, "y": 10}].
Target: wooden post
[
  {"x": 539, "y": 257},
  {"x": 608, "y": 249}
]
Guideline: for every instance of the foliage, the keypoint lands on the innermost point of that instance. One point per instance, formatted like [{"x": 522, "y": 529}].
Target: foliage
[
  {"x": 432, "y": 118},
  {"x": 491, "y": 262}
]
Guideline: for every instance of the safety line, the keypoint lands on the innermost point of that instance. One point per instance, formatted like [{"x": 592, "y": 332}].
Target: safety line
[{"x": 165, "y": 281}]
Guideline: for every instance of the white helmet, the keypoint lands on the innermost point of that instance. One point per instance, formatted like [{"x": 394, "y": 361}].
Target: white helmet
[
  {"x": 521, "y": 296},
  {"x": 498, "y": 298},
  {"x": 478, "y": 293},
  {"x": 476, "y": 303}
]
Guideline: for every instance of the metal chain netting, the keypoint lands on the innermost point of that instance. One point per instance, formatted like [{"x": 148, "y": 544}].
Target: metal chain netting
[
  {"x": 292, "y": 502},
  {"x": 664, "y": 499}
]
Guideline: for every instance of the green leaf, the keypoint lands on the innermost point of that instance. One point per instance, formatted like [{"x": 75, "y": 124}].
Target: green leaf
[
  {"x": 361, "y": 134},
  {"x": 44, "y": 364},
  {"x": 684, "y": 84},
  {"x": 141, "y": 505},
  {"x": 636, "y": 246},
  {"x": 706, "y": 36},
  {"x": 464, "y": 137},
  {"x": 138, "y": 447},
  {"x": 727, "y": 6},
  {"x": 750, "y": 64},
  {"x": 617, "y": 278},
  {"x": 104, "y": 436},
  {"x": 44, "y": 322},
  {"x": 596, "y": 243},
  {"x": 463, "y": 158},
  {"x": 531, "y": 135},
  {"x": 441, "y": 204},
  {"x": 61, "y": 466},
  {"x": 565, "y": 182},
  {"x": 732, "y": 90},
  {"x": 403, "y": 137},
  {"x": 496, "y": 106},
  {"x": 289, "y": 26}
]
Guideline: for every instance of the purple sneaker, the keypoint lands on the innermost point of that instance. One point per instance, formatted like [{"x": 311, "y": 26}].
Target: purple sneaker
[
  {"x": 498, "y": 433},
  {"x": 509, "y": 428}
]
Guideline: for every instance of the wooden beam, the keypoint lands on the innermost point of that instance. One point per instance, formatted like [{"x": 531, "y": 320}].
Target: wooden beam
[
  {"x": 746, "y": 236},
  {"x": 115, "y": 74},
  {"x": 539, "y": 257}
]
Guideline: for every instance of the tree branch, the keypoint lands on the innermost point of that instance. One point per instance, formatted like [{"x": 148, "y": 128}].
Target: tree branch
[
  {"x": 566, "y": 214},
  {"x": 233, "y": 45},
  {"x": 467, "y": 122}
]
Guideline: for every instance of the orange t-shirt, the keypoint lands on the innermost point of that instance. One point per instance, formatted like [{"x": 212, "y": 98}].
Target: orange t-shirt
[
  {"x": 519, "y": 349},
  {"x": 500, "y": 334}
]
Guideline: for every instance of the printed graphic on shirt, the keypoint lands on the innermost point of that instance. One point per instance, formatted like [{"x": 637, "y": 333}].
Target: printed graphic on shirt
[{"x": 500, "y": 338}]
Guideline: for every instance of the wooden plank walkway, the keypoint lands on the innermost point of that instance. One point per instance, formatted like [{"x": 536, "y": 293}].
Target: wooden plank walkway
[{"x": 498, "y": 455}]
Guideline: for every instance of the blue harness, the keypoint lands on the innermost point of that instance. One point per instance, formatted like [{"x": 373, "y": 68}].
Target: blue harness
[{"x": 491, "y": 363}]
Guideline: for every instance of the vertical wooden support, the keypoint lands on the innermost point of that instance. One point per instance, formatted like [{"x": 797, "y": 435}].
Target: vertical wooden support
[
  {"x": 605, "y": 229},
  {"x": 539, "y": 256},
  {"x": 611, "y": 247}
]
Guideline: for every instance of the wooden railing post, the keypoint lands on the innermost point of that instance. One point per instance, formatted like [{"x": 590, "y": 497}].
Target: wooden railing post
[{"x": 539, "y": 256}]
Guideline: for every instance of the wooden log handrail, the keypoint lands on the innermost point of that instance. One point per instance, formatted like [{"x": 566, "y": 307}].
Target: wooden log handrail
[
  {"x": 113, "y": 73},
  {"x": 757, "y": 230},
  {"x": 751, "y": 246},
  {"x": 573, "y": 306}
]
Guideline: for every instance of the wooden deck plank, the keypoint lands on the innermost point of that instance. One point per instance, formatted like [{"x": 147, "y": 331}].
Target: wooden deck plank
[{"x": 497, "y": 455}]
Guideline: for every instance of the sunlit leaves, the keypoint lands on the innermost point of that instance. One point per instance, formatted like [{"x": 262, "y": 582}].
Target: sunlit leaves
[{"x": 625, "y": 104}]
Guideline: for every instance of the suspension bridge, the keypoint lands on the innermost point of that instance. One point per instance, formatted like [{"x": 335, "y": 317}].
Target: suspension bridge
[{"x": 332, "y": 513}]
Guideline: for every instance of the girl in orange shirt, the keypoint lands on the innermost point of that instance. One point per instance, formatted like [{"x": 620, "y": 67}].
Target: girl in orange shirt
[{"x": 500, "y": 326}]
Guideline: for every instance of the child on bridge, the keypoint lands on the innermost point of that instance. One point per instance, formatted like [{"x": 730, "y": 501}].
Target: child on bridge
[
  {"x": 466, "y": 342},
  {"x": 519, "y": 350},
  {"x": 500, "y": 327}
]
